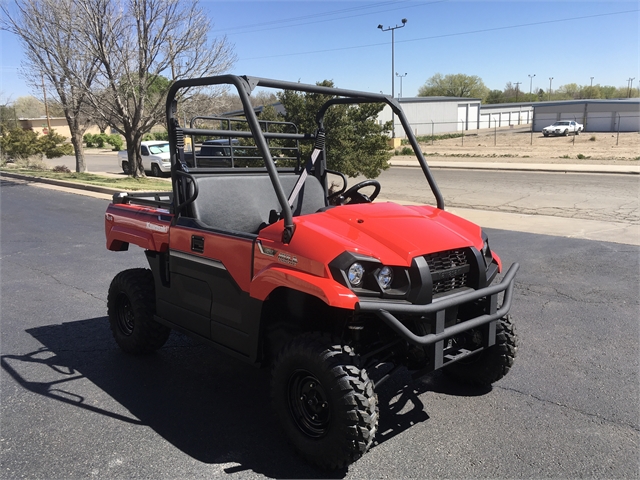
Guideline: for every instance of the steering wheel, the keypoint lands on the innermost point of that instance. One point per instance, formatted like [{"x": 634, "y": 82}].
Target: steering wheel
[{"x": 352, "y": 195}]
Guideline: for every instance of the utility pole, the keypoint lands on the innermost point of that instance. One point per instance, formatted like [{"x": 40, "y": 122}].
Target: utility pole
[
  {"x": 550, "y": 80},
  {"x": 393, "y": 68},
  {"x": 531, "y": 85},
  {"x": 46, "y": 107},
  {"x": 591, "y": 88},
  {"x": 630, "y": 83},
  {"x": 517, "y": 83},
  {"x": 401, "y": 77}
]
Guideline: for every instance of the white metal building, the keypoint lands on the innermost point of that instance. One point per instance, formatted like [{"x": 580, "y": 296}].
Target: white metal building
[
  {"x": 596, "y": 115},
  {"x": 436, "y": 115},
  {"x": 505, "y": 114}
]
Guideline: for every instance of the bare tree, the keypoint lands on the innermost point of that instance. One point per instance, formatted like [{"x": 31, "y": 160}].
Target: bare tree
[
  {"x": 142, "y": 46},
  {"x": 45, "y": 29}
]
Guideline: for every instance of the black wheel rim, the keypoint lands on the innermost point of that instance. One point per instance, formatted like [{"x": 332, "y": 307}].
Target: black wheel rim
[
  {"x": 126, "y": 319},
  {"x": 309, "y": 404}
]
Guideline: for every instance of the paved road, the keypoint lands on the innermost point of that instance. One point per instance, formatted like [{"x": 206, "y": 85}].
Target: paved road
[
  {"x": 603, "y": 197},
  {"x": 73, "y": 405}
]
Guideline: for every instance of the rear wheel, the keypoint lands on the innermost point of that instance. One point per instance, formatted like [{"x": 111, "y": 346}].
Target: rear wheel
[
  {"x": 325, "y": 402},
  {"x": 491, "y": 364},
  {"x": 131, "y": 306},
  {"x": 155, "y": 170},
  {"x": 126, "y": 168}
]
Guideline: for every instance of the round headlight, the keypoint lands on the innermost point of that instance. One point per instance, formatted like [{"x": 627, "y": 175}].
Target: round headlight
[
  {"x": 385, "y": 277},
  {"x": 355, "y": 274}
]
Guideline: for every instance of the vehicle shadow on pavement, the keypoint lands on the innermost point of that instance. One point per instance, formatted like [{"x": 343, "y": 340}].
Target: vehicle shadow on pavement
[{"x": 215, "y": 409}]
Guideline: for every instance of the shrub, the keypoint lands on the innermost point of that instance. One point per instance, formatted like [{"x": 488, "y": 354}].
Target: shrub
[
  {"x": 88, "y": 140},
  {"x": 582, "y": 157},
  {"x": 116, "y": 142},
  {"x": 592, "y": 138},
  {"x": 100, "y": 139},
  {"x": 19, "y": 144},
  {"x": 61, "y": 169},
  {"x": 162, "y": 136},
  {"x": 406, "y": 151},
  {"x": 53, "y": 145}
]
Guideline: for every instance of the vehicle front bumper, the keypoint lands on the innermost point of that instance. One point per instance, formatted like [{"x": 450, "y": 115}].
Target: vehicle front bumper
[{"x": 388, "y": 311}]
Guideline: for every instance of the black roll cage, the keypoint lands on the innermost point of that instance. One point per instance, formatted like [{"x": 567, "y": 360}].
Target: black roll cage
[{"x": 244, "y": 86}]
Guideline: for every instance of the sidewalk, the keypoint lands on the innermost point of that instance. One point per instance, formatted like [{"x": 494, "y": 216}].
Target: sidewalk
[{"x": 483, "y": 164}]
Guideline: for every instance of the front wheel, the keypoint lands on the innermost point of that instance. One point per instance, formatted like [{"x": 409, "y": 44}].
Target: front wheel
[
  {"x": 491, "y": 364},
  {"x": 131, "y": 306},
  {"x": 126, "y": 168},
  {"x": 155, "y": 170},
  {"x": 325, "y": 402}
]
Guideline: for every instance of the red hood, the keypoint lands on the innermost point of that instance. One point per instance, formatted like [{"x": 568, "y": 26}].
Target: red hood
[{"x": 392, "y": 233}]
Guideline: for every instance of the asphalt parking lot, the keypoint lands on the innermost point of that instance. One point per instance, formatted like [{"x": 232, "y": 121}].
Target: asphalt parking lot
[{"x": 73, "y": 405}]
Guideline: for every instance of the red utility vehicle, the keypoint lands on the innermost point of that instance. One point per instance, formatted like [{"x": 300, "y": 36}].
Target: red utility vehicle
[{"x": 261, "y": 260}]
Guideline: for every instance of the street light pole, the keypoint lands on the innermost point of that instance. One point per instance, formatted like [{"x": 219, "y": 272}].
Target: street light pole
[
  {"x": 550, "y": 80},
  {"x": 401, "y": 77},
  {"x": 531, "y": 85},
  {"x": 393, "y": 67}
]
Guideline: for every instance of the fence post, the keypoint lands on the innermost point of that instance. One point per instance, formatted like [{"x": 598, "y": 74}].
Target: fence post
[
  {"x": 432, "y": 133},
  {"x": 531, "y": 142},
  {"x": 618, "y": 136},
  {"x": 574, "y": 133},
  {"x": 462, "y": 122},
  {"x": 495, "y": 132}
]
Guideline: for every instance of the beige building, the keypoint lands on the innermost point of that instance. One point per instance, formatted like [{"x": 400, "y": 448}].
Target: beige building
[{"x": 59, "y": 124}]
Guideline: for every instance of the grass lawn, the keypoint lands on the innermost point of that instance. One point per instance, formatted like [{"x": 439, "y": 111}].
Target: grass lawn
[{"x": 124, "y": 183}]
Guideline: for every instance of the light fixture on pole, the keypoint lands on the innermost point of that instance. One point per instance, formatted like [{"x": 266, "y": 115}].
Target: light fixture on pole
[
  {"x": 393, "y": 29},
  {"x": 401, "y": 77},
  {"x": 550, "y": 80},
  {"x": 531, "y": 85}
]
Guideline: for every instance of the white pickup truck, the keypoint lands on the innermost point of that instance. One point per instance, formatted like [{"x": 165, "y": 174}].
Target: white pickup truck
[
  {"x": 563, "y": 127},
  {"x": 155, "y": 158}
]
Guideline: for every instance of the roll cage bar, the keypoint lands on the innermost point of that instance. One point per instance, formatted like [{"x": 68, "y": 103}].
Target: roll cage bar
[{"x": 244, "y": 86}]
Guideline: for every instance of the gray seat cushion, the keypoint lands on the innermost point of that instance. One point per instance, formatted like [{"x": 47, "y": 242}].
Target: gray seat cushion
[{"x": 242, "y": 203}]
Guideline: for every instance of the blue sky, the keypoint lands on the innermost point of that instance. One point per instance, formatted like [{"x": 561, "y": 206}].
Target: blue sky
[{"x": 499, "y": 41}]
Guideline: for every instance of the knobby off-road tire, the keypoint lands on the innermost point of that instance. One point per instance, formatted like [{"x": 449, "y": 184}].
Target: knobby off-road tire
[
  {"x": 131, "y": 306},
  {"x": 491, "y": 364},
  {"x": 325, "y": 402}
]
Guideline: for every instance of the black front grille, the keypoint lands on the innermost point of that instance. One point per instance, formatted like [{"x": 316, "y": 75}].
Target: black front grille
[{"x": 449, "y": 270}]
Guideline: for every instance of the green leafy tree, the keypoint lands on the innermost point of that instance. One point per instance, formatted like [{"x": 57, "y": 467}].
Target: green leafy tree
[
  {"x": 569, "y": 91},
  {"x": 356, "y": 144},
  {"x": 608, "y": 92},
  {"x": 454, "y": 85},
  {"x": 21, "y": 144},
  {"x": 53, "y": 145},
  {"x": 495, "y": 96}
]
